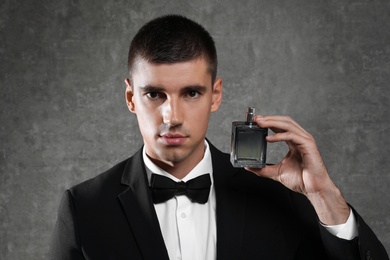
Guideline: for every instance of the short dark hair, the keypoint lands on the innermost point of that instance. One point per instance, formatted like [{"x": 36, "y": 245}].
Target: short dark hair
[{"x": 171, "y": 39}]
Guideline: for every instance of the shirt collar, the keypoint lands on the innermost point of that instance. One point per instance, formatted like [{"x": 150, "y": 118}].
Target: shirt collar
[{"x": 204, "y": 166}]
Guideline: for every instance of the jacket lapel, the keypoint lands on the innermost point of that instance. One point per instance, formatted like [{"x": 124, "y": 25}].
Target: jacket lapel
[
  {"x": 230, "y": 207},
  {"x": 139, "y": 210},
  {"x": 138, "y": 207}
]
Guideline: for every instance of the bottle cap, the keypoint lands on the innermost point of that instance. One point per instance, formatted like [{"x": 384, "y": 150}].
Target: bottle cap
[{"x": 250, "y": 114}]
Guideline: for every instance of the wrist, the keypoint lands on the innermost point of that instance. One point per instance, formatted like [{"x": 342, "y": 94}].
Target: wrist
[{"x": 330, "y": 206}]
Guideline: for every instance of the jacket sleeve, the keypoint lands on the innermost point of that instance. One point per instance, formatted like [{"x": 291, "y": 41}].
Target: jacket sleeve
[
  {"x": 366, "y": 246},
  {"x": 65, "y": 242}
]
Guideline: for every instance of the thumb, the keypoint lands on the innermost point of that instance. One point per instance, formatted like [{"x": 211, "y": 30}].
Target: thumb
[{"x": 270, "y": 171}]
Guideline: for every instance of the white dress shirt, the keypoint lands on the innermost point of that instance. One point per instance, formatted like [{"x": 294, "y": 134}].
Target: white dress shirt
[{"x": 189, "y": 229}]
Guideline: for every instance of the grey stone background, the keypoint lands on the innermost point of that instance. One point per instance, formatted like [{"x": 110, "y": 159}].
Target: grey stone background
[{"x": 63, "y": 117}]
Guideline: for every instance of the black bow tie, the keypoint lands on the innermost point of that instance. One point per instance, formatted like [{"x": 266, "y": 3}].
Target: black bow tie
[{"x": 197, "y": 189}]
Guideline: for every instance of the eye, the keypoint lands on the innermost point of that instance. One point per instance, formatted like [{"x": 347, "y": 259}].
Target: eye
[
  {"x": 193, "y": 93},
  {"x": 152, "y": 95}
]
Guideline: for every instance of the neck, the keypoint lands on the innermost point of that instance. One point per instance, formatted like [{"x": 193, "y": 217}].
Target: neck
[
  {"x": 178, "y": 170},
  {"x": 182, "y": 168}
]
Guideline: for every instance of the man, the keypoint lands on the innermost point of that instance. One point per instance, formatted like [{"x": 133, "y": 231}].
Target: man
[{"x": 293, "y": 211}]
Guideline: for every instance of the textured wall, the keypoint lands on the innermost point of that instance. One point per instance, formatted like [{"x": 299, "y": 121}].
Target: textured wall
[{"x": 63, "y": 118}]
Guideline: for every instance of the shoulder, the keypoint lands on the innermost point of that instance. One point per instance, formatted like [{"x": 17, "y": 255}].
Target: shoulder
[
  {"x": 257, "y": 189},
  {"x": 104, "y": 182},
  {"x": 111, "y": 182},
  {"x": 242, "y": 178}
]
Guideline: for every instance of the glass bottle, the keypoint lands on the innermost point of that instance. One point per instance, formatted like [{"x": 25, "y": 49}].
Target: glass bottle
[{"x": 248, "y": 144}]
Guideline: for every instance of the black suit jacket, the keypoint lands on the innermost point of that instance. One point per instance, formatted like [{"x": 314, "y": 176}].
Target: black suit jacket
[{"x": 112, "y": 217}]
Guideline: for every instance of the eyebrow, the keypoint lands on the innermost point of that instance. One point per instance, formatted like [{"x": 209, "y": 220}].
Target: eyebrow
[
  {"x": 150, "y": 88},
  {"x": 198, "y": 88}
]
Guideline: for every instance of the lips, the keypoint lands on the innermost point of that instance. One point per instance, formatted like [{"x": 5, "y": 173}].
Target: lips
[{"x": 173, "y": 139}]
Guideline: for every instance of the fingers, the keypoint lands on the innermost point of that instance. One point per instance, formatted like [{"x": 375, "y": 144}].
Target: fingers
[
  {"x": 270, "y": 172},
  {"x": 285, "y": 128},
  {"x": 280, "y": 124}
]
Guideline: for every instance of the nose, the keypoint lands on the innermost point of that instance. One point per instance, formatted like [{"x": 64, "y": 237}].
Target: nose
[{"x": 172, "y": 113}]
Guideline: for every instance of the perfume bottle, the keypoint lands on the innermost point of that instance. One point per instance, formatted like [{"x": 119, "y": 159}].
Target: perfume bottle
[{"x": 248, "y": 144}]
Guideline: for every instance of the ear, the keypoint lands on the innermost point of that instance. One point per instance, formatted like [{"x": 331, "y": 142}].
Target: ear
[
  {"x": 129, "y": 96},
  {"x": 216, "y": 95}
]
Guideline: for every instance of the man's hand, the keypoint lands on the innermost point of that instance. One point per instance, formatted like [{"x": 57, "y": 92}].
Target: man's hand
[{"x": 303, "y": 170}]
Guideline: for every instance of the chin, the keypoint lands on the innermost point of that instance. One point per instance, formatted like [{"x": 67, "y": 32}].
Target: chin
[{"x": 173, "y": 156}]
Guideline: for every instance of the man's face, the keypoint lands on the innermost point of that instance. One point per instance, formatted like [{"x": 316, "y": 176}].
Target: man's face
[{"x": 173, "y": 103}]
